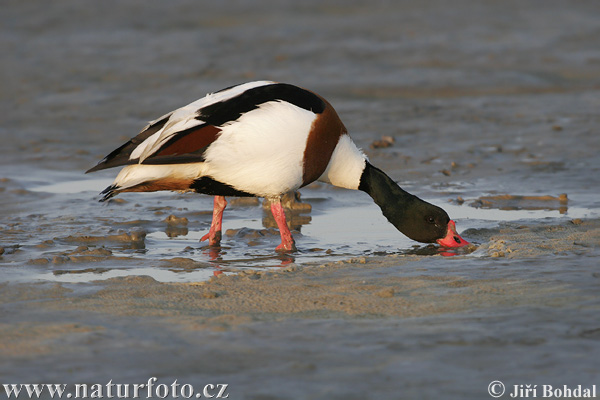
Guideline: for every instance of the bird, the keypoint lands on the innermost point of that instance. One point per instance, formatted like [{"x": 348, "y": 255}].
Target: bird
[{"x": 264, "y": 139}]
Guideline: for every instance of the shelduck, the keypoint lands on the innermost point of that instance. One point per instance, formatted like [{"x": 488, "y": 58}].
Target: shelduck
[{"x": 264, "y": 139}]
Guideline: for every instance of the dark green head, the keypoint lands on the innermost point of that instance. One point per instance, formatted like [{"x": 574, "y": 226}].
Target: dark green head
[{"x": 417, "y": 219}]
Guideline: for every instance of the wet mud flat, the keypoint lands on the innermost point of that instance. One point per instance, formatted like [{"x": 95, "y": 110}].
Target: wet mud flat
[
  {"x": 488, "y": 110},
  {"x": 398, "y": 322}
]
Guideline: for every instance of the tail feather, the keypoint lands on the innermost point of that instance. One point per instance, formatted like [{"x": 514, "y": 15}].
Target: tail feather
[
  {"x": 151, "y": 178},
  {"x": 109, "y": 192}
]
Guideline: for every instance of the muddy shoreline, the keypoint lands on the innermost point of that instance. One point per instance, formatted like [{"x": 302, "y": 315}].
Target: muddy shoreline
[{"x": 431, "y": 318}]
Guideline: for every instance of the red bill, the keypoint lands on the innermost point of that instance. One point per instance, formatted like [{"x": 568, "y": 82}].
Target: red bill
[{"x": 452, "y": 238}]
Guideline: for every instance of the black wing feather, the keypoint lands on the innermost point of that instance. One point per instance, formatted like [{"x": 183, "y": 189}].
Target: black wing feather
[
  {"x": 213, "y": 116},
  {"x": 121, "y": 155}
]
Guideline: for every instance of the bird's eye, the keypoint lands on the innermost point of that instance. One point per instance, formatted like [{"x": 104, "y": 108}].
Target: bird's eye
[{"x": 431, "y": 220}]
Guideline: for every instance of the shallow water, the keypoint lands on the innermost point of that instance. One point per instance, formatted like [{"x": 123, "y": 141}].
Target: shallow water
[{"x": 342, "y": 224}]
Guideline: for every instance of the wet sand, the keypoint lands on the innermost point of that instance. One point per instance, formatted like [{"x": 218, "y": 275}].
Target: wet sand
[{"x": 488, "y": 110}]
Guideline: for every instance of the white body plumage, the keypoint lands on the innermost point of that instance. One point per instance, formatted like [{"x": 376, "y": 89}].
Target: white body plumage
[{"x": 262, "y": 152}]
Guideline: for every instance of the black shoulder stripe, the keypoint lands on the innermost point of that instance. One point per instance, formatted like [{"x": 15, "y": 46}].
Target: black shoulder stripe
[
  {"x": 187, "y": 158},
  {"x": 229, "y": 110}
]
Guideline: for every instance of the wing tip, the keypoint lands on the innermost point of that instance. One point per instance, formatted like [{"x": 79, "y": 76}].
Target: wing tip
[
  {"x": 111, "y": 163},
  {"x": 95, "y": 168}
]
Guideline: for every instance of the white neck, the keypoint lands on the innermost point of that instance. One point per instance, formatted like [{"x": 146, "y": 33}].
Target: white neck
[{"x": 346, "y": 165}]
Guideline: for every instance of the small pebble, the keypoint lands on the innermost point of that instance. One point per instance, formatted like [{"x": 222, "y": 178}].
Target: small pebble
[
  {"x": 562, "y": 198},
  {"x": 39, "y": 261},
  {"x": 60, "y": 259},
  {"x": 173, "y": 220},
  {"x": 252, "y": 274},
  {"x": 385, "y": 293},
  {"x": 117, "y": 201},
  {"x": 386, "y": 141}
]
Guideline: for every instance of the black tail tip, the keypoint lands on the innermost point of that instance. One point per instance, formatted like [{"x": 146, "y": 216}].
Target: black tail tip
[{"x": 108, "y": 193}]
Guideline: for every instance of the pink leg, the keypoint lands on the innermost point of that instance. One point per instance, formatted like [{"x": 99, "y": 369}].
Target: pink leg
[
  {"x": 214, "y": 234},
  {"x": 287, "y": 241}
]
